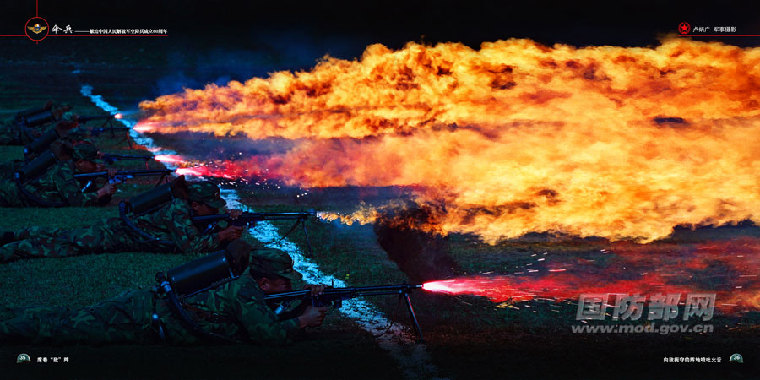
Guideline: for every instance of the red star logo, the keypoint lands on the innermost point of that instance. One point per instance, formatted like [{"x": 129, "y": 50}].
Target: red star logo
[{"x": 684, "y": 28}]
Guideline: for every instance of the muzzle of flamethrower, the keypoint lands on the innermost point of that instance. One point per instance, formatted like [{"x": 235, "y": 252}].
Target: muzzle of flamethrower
[
  {"x": 22, "y": 115},
  {"x": 155, "y": 198},
  {"x": 206, "y": 272},
  {"x": 39, "y": 118},
  {"x": 151, "y": 201},
  {"x": 41, "y": 143},
  {"x": 36, "y": 167},
  {"x": 199, "y": 275}
]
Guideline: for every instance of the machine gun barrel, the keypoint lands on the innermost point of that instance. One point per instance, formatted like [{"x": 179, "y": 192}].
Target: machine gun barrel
[
  {"x": 126, "y": 173},
  {"x": 111, "y": 158},
  {"x": 335, "y": 296},
  {"x": 247, "y": 218},
  {"x": 349, "y": 292},
  {"x": 84, "y": 119},
  {"x": 121, "y": 175}
]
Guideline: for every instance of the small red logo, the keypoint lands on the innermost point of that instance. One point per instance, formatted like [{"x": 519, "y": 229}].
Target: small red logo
[{"x": 684, "y": 28}]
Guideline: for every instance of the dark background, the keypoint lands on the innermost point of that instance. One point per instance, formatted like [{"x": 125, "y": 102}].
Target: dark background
[
  {"x": 236, "y": 40},
  {"x": 396, "y": 22}
]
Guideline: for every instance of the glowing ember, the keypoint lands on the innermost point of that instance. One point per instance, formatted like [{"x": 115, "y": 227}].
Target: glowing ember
[
  {"x": 513, "y": 138},
  {"x": 221, "y": 169},
  {"x": 198, "y": 171},
  {"x": 170, "y": 158}
]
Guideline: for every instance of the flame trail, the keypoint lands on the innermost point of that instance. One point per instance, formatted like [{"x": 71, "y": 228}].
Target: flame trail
[
  {"x": 623, "y": 143},
  {"x": 169, "y": 158},
  {"x": 729, "y": 269}
]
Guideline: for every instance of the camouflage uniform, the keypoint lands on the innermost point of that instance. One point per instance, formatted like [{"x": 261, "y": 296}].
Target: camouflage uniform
[
  {"x": 15, "y": 132},
  {"x": 55, "y": 187},
  {"x": 235, "y": 309},
  {"x": 171, "y": 226}
]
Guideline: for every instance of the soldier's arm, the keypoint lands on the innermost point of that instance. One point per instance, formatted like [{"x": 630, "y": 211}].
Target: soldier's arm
[
  {"x": 69, "y": 189},
  {"x": 262, "y": 325},
  {"x": 257, "y": 319},
  {"x": 181, "y": 230}
]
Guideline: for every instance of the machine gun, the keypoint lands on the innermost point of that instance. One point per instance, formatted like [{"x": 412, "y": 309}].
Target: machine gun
[
  {"x": 207, "y": 223},
  {"x": 98, "y": 131},
  {"x": 122, "y": 175},
  {"x": 85, "y": 119},
  {"x": 108, "y": 125},
  {"x": 335, "y": 296},
  {"x": 250, "y": 218},
  {"x": 111, "y": 158}
]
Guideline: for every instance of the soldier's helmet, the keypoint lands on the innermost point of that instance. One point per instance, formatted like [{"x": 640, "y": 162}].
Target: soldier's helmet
[
  {"x": 268, "y": 261},
  {"x": 207, "y": 193},
  {"x": 239, "y": 252},
  {"x": 85, "y": 151},
  {"x": 70, "y": 117},
  {"x": 68, "y": 121}
]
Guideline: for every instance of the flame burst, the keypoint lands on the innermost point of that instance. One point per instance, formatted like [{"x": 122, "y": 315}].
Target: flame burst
[
  {"x": 169, "y": 158},
  {"x": 728, "y": 269},
  {"x": 515, "y": 137}
]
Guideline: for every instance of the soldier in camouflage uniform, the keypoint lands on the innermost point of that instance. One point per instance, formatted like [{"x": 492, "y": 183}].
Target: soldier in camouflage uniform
[
  {"x": 235, "y": 310},
  {"x": 14, "y": 132},
  {"x": 57, "y": 186},
  {"x": 171, "y": 228}
]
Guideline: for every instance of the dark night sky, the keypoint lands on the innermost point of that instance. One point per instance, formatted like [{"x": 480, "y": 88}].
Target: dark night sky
[
  {"x": 216, "y": 42},
  {"x": 395, "y": 22}
]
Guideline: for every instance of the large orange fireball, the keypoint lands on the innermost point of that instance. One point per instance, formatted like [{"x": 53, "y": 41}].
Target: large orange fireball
[{"x": 515, "y": 137}]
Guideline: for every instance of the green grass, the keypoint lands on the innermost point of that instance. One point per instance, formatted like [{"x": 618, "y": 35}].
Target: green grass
[{"x": 10, "y": 153}]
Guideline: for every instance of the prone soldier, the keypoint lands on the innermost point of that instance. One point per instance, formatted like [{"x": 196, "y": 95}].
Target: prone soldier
[
  {"x": 49, "y": 181},
  {"x": 192, "y": 312},
  {"x": 161, "y": 221},
  {"x": 31, "y": 124}
]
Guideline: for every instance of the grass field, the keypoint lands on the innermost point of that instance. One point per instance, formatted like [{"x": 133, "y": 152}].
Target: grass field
[{"x": 467, "y": 337}]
